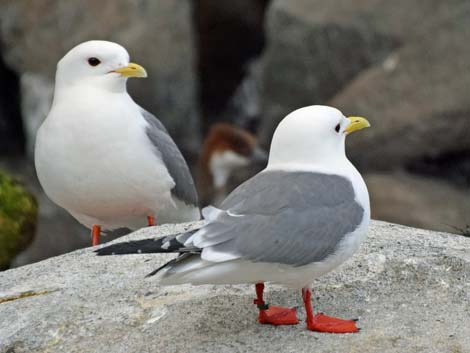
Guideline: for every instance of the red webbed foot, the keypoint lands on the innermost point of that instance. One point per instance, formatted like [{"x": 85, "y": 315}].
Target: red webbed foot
[
  {"x": 275, "y": 315},
  {"x": 323, "y": 323}
]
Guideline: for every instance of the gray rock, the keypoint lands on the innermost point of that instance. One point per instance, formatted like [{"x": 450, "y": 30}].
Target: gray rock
[
  {"x": 394, "y": 62},
  {"x": 157, "y": 34},
  {"x": 419, "y": 202},
  {"x": 401, "y": 19},
  {"x": 416, "y": 100},
  {"x": 311, "y": 54},
  {"x": 409, "y": 288}
]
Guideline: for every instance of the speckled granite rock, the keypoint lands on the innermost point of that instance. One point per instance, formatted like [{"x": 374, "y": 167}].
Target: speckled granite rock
[{"x": 410, "y": 289}]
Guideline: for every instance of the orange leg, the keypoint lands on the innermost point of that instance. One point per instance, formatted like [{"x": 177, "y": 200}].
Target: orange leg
[
  {"x": 95, "y": 235},
  {"x": 323, "y": 323},
  {"x": 150, "y": 221},
  {"x": 273, "y": 315}
]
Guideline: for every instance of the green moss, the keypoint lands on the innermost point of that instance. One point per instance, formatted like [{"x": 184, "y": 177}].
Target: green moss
[{"x": 18, "y": 216}]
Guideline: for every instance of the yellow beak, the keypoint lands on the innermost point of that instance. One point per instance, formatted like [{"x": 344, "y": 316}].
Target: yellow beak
[
  {"x": 356, "y": 123},
  {"x": 132, "y": 70}
]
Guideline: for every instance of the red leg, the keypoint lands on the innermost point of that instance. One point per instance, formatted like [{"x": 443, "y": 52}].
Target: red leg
[
  {"x": 95, "y": 235},
  {"x": 273, "y": 315},
  {"x": 150, "y": 221},
  {"x": 323, "y": 323}
]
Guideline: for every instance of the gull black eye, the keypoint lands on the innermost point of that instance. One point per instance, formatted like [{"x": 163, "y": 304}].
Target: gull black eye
[
  {"x": 94, "y": 61},
  {"x": 337, "y": 127}
]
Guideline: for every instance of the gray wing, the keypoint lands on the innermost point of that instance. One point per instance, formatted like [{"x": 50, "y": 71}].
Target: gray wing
[
  {"x": 170, "y": 154},
  {"x": 282, "y": 217}
]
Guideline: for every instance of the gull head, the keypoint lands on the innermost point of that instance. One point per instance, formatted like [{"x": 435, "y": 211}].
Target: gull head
[
  {"x": 99, "y": 63},
  {"x": 313, "y": 135}
]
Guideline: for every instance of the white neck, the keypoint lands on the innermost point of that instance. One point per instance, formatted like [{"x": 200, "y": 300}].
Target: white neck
[{"x": 107, "y": 84}]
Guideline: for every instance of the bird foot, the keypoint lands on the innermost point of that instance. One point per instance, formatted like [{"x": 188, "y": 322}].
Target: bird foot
[
  {"x": 323, "y": 323},
  {"x": 275, "y": 315}
]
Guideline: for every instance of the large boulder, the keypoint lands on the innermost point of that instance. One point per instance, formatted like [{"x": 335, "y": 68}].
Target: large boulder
[
  {"x": 408, "y": 287},
  {"x": 157, "y": 35},
  {"x": 416, "y": 101},
  {"x": 406, "y": 61},
  {"x": 312, "y": 52},
  {"x": 419, "y": 202}
]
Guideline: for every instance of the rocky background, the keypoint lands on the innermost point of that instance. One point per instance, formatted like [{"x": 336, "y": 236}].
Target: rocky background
[{"x": 403, "y": 65}]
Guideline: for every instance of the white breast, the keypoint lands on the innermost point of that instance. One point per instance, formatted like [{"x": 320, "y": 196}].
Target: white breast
[{"x": 93, "y": 158}]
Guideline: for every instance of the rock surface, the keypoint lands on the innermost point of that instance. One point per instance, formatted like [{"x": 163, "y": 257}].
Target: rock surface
[
  {"x": 413, "y": 50},
  {"x": 409, "y": 288},
  {"x": 419, "y": 202},
  {"x": 311, "y": 53},
  {"x": 415, "y": 100},
  {"x": 157, "y": 34}
]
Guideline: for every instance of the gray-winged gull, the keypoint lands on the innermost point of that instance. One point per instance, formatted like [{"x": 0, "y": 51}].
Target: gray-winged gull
[
  {"x": 301, "y": 217},
  {"x": 102, "y": 157}
]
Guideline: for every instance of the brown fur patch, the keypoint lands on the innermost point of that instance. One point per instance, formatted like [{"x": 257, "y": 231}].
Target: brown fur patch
[{"x": 221, "y": 137}]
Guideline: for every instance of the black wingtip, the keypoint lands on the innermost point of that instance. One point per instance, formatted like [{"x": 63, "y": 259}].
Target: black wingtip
[
  {"x": 145, "y": 246},
  {"x": 168, "y": 244},
  {"x": 181, "y": 257},
  {"x": 117, "y": 249},
  {"x": 154, "y": 272}
]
